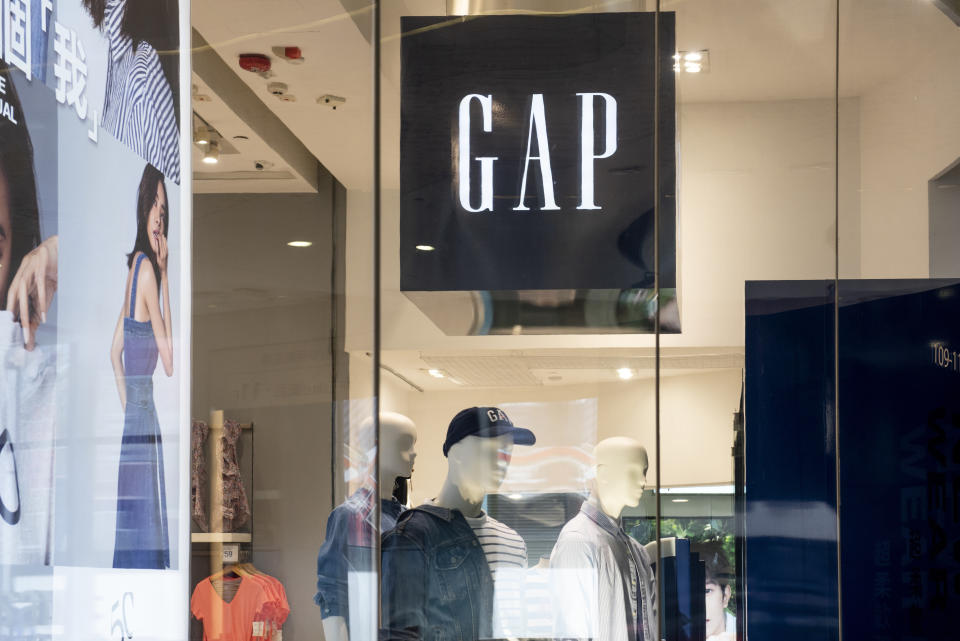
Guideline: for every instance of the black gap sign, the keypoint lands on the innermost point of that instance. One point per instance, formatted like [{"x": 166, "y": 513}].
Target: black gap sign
[{"x": 527, "y": 152}]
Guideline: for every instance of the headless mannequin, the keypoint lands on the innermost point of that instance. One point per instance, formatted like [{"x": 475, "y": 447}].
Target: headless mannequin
[
  {"x": 621, "y": 466},
  {"x": 476, "y": 466},
  {"x": 398, "y": 435}
]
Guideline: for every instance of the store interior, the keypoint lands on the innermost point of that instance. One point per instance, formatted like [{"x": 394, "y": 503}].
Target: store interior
[{"x": 792, "y": 164}]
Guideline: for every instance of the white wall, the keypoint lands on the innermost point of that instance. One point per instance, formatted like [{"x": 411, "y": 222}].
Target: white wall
[
  {"x": 696, "y": 422},
  {"x": 909, "y": 132}
]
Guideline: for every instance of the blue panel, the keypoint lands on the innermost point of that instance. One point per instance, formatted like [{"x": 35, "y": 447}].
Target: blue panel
[
  {"x": 791, "y": 566},
  {"x": 900, "y": 456}
]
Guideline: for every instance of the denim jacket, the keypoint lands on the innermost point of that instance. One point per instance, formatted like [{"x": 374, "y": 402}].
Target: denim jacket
[
  {"x": 436, "y": 584},
  {"x": 349, "y": 548}
]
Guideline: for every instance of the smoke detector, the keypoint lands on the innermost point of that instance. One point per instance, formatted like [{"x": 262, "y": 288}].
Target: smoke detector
[{"x": 329, "y": 100}]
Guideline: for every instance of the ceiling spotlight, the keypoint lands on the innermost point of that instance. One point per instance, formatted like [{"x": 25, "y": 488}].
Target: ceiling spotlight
[
  {"x": 680, "y": 500},
  {"x": 625, "y": 373},
  {"x": 425, "y": 248},
  {"x": 693, "y": 56},
  {"x": 692, "y": 67},
  {"x": 300, "y": 243},
  {"x": 212, "y": 154},
  {"x": 201, "y": 136},
  {"x": 435, "y": 373}
]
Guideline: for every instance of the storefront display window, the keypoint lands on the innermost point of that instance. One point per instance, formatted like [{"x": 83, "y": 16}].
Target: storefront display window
[{"x": 623, "y": 320}]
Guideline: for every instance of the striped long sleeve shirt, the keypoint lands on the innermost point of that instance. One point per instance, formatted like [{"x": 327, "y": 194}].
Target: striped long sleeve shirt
[{"x": 138, "y": 108}]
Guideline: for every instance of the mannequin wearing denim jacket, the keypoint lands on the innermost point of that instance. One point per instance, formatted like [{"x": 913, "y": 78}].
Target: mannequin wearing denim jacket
[
  {"x": 437, "y": 583},
  {"x": 350, "y": 531}
]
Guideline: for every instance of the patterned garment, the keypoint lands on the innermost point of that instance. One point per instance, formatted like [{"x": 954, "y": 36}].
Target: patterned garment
[
  {"x": 503, "y": 547},
  {"x": 198, "y": 473},
  {"x": 348, "y": 547},
  {"x": 236, "y": 509},
  {"x": 138, "y": 108}
]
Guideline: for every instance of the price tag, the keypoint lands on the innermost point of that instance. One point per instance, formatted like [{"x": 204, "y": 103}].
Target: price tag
[
  {"x": 231, "y": 553},
  {"x": 258, "y": 628}
]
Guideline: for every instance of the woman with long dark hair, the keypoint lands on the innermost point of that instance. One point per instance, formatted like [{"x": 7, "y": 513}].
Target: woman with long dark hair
[{"x": 143, "y": 333}]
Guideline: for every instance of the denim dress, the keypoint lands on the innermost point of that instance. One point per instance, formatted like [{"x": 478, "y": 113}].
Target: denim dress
[{"x": 141, "y": 539}]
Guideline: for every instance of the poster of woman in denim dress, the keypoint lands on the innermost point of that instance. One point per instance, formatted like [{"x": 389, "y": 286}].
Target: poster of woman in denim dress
[{"x": 143, "y": 333}]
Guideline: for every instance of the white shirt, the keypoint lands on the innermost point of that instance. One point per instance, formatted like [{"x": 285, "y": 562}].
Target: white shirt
[
  {"x": 27, "y": 422},
  {"x": 595, "y": 566}
]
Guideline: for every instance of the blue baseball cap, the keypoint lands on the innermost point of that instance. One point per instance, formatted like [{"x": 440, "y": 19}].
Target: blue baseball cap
[{"x": 485, "y": 422}]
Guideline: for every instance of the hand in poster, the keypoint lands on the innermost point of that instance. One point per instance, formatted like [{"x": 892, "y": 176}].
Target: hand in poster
[
  {"x": 33, "y": 287},
  {"x": 162, "y": 253}
]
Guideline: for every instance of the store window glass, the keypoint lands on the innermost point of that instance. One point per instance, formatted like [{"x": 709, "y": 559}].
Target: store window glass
[
  {"x": 897, "y": 317},
  {"x": 757, "y": 198},
  {"x": 520, "y": 314},
  {"x": 285, "y": 502},
  {"x": 479, "y": 319}
]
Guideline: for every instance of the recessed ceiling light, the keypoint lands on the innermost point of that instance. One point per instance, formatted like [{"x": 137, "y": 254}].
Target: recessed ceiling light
[
  {"x": 625, "y": 373},
  {"x": 435, "y": 373},
  {"x": 426, "y": 248},
  {"x": 680, "y": 500},
  {"x": 300, "y": 243},
  {"x": 692, "y": 61},
  {"x": 516, "y": 496}
]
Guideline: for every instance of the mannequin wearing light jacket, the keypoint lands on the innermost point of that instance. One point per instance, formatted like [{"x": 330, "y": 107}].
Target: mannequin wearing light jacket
[{"x": 604, "y": 585}]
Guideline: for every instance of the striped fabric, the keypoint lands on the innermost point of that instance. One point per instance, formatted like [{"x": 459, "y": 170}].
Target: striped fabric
[
  {"x": 503, "y": 547},
  {"x": 138, "y": 107}
]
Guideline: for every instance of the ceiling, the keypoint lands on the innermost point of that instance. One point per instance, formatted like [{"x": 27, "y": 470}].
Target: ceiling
[
  {"x": 548, "y": 367},
  {"x": 760, "y": 50}
]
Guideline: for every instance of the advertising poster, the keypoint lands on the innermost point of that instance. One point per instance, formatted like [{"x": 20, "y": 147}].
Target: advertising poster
[{"x": 94, "y": 239}]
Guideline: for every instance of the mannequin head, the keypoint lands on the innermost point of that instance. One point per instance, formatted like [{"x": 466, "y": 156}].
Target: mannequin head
[
  {"x": 478, "y": 447},
  {"x": 398, "y": 436},
  {"x": 478, "y": 465},
  {"x": 621, "y": 465}
]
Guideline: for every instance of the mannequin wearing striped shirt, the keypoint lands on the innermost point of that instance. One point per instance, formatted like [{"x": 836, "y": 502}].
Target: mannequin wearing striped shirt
[{"x": 477, "y": 467}]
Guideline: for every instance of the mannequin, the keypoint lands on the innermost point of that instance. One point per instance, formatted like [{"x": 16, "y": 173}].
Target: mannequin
[
  {"x": 398, "y": 436},
  {"x": 604, "y": 585},
  {"x": 440, "y": 562},
  {"x": 475, "y": 467},
  {"x": 621, "y": 475}
]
